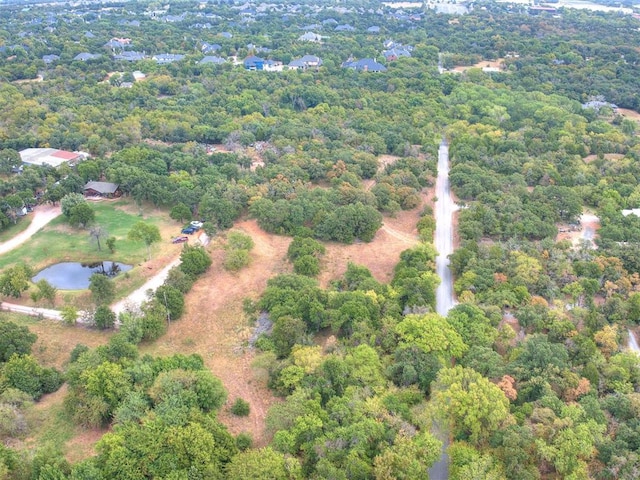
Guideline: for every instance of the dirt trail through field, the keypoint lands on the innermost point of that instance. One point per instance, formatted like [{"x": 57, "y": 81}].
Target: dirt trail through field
[{"x": 42, "y": 215}]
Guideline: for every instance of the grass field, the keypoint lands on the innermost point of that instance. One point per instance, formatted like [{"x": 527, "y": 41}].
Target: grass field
[
  {"x": 59, "y": 242},
  {"x": 13, "y": 230}
]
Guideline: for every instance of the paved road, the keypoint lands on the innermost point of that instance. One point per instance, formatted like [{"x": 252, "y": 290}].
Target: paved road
[
  {"x": 633, "y": 343},
  {"x": 443, "y": 241},
  {"x": 42, "y": 215}
]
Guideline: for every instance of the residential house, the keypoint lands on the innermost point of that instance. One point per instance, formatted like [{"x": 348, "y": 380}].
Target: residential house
[
  {"x": 130, "y": 56},
  {"x": 165, "y": 58},
  {"x": 48, "y": 59},
  {"x": 85, "y": 56},
  {"x": 212, "y": 59},
  {"x": 373, "y": 29},
  {"x": 364, "y": 65},
  {"x": 395, "y": 53},
  {"x": 210, "y": 47},
  {"x": 254, "y": 63},
  {"x": 226, "y": 35},
  {"x": 308, "y": 61},
  {"x": 344, "y": 28},
  {"x": 310, "y": 37},
  {"x": 101, "y": 189}
]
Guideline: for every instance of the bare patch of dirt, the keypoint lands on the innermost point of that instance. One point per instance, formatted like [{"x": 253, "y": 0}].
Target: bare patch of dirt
[
  {"x": 82, "y": 445},
  {"x": 607, "y": 156},
  {"x": 56, "y": 341},
  {"x": 630, "y": 114},
  {"x": 380, "y": 255},
  {"x": 589, "y": 225},
  {"x": 38, "y": 79},
  {"x": 499, "y": 63}
]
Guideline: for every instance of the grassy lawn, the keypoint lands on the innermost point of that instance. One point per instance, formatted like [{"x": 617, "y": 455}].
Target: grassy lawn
[
  {"x": 13, "y": 230},
  {"x": 58, "y": 242}
]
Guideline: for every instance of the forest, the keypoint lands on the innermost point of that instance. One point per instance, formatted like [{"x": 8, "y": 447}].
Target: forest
[{"x": 529, "y": 375}]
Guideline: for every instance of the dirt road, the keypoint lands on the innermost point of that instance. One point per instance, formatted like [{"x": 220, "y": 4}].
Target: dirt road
[{"x": 42, "y": 215}]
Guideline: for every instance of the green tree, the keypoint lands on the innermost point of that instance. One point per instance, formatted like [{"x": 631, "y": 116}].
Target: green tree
[
  {"x": 15, "y": 339},
  {"x": 111, "y": 244},
  {"x": 473, "y": 405},
  {"x": 103, "y": 289},
  {"x": 146, "y": 233},
  {"x": 239, "y": 241},
  {"x": 15, "y": 280},
  {"x": 46, "y": 290},
  {"x": 82, "y": 215},
  {"x": 172, "y": 299},
  {"x": 69, "y": 314},
  {"x": 263, "y": 464},
  {"x": 104, "y": 318},
  {"x": 408, "y": 458},
  {"x": 194, "y": 260},
  {"x": 181, "y": 213},
  {"x": 431, "y": 333}
]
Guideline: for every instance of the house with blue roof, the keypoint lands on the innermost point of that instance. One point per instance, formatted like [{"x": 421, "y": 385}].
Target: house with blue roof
[{"x": 364, "y": 65}]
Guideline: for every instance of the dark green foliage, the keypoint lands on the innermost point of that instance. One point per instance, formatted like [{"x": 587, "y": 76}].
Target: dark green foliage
[
  {"x": 244, "y": 441},
  {"x": 14, "y": 339},
  {"x": 181, "y": 213},
  {"x": 24, "y": 373},
  {"x": 194, "y": 260},
  {"x": 104, "y": 318},
  {"x": 306, "y": 265},
  {"x": 103, "y": 289},
  {"x": 240, "y": 408},
  {"x": 172, "y": 299},
  {"x": 15, "y": 280},
  {"x": 304, "y": 246},
  {"x": 414, "y": 367}
]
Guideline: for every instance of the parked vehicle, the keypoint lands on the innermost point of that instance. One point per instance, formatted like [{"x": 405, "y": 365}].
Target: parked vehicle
[
  {"x": 189, "y": 230},
  {"x": 196, "y": 224},
  {"x": 180, "y": 239}
]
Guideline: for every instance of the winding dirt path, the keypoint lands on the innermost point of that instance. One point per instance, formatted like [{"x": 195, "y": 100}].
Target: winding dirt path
[{"x": 41, "y": 216}]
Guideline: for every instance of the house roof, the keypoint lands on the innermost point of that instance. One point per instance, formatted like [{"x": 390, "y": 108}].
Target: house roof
[
  {"x": 47, "y": 156},
  {"x": 101, "y": 187},
  {"x": 365, "y": 65},
  {"x": 212, "y": 59},
  {"x": 86, "y": 56}
]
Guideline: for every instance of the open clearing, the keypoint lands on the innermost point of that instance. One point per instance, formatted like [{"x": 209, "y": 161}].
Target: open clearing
[{"x": 214, "y": 324}]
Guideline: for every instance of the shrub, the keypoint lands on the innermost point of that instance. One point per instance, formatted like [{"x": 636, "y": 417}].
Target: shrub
[
  {"x": 240, "y": 408},
  {"x": 239, "y": 241},
  {"x": 236, "y": 259},
  {"x": 307, "y": 265},
  {"x": 244, "y": 441},
  {"x": 104, "y": 317}
]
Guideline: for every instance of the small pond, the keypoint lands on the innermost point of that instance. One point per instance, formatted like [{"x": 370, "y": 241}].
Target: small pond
[{"x": 75, "y": 276}]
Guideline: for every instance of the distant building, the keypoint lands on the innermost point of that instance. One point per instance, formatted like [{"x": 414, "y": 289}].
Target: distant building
[
  {"x": 50, "y": 58},
  {"x": 164, "y": 58},
  {"x": 85, "y": 56},
  {"x": 310, "y": 37},
  {"x": 308, "y": 61},
  {"x": 212, "y": 59},
  {"x": 49, "y": 156},
  {"x": 364, "y": 65},
  {"x": 101, "y": 189}
]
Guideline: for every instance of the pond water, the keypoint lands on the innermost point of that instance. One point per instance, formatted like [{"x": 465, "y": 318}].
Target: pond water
[{"x": 75, "y": 276}]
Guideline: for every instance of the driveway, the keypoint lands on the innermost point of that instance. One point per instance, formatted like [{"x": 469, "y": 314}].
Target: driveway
[{"x": 42, "y": 215}]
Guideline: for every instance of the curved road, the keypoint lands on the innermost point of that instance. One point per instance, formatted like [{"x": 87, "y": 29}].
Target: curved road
[
  {"x": 443, "y": 241},
  {"x": 42, "y": 215}
]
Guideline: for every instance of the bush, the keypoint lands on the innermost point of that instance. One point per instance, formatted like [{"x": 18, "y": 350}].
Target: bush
[
  {"x": 240, "y": 408},
  {"x": 194, "y": 260},
  {"x": 239, "y": 241},
  {"x": 104, "y": 317},
  {"x": 244, "y": 441},
  {"x": 236, "y": 259},
  {"x": 307, "y": 265}
]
